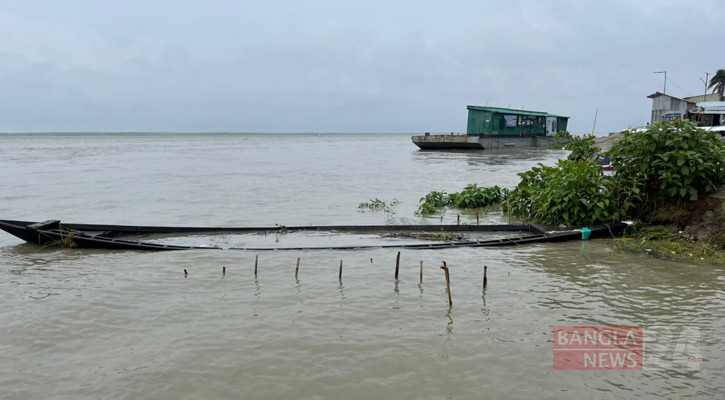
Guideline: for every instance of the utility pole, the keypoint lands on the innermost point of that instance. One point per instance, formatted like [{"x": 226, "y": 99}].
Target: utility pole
[
  {"x": 664, "y": 91},
  {"x": 707, "y": 75},
  {"x": 595, "y": 120}
]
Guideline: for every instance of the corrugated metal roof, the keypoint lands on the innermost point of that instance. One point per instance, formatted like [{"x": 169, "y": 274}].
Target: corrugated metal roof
[
  {"x": 501, "y": 110},
  {"x": 709, "y": 107},
  {"x": 657, "y": 94},
  {"x": 558, "y": 116}
]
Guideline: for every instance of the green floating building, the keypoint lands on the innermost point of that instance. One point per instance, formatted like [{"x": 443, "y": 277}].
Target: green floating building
[
  {"x": 510, "y": 122},
  {"x": 495, "y": 127}
]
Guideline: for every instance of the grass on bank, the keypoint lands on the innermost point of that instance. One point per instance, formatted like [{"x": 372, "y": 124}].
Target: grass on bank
[{"x": 660, "y": 242}]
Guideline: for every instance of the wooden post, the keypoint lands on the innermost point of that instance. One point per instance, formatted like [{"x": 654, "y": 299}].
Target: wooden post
[
  {"x": 297, "y": 269},
  {"x": 224, "y": 271},
  {"x": 421, "y": 271},
  {"x": 458, "y": 220},
  {"x": 485, "y": 279},
  {"x": 339, "y": 276},
  {"x": 185, "y": 273},
  {"x": 397, "y": 266},
  {"x": 256, "y": 263},
  {"x": 477, "y": 220},
  {"x": 448, "y": 284}
]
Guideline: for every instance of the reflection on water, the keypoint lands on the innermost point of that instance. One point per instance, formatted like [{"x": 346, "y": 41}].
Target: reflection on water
[{"x": 104, "y": 324}]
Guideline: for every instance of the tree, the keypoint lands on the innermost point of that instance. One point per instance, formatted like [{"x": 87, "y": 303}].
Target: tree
[{"x": 717, "y": 82}]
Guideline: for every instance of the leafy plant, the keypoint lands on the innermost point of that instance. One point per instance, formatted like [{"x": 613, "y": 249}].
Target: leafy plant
[
  {"x": 572, "y": 193},
  {"x": 471, "y": 197},
  {"x": 671, "y": 160},
  {"x": 564, "y": 136},
  {"x": 474, "y": 196},
  {"x": 432, "y": 202},
  {"x": 582, "y": 147}
]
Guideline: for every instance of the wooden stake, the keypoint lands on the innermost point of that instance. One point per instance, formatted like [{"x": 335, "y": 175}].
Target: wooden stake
[
  {"x": 485, "y": 280},
  {"x": 256, "y": 263},
  {"x": 185, "y": 273},
  {"x": 458, "y": 221},
  {"x": 397, "y": 266},
  {"x": 224, "y": 271},
  {"x": 421, "y": 271},
  {"x": 340, "y": 275},
  {"x": 297, "y": 269},
  {"x": 477, "y": 220},
  {"x": 448, "y": 284}
]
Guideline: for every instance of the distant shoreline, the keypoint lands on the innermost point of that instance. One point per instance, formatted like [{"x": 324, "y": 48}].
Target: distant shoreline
[{"x": 5, "y": 134}]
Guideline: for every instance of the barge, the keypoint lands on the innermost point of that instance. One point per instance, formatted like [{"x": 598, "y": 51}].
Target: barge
[{"x": 491, "y": 128}]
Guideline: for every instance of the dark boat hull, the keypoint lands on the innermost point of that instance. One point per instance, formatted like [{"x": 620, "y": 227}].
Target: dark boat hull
[{"x": 54, "y": 234}]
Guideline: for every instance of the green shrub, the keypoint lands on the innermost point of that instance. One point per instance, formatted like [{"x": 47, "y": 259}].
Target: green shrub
[
  {"x": 432, "y": 202},
  {"x": 563, "y": 136},
  {"x": 571, "y": 193},
  {"x": 582, "y": 148},
  {"x": 474, "y": 196},
  {"x": 671, "y": 160},
  {"x": 471, "y": 197}
]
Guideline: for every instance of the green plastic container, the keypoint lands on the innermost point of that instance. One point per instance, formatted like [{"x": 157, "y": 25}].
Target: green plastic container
[{"x": 585, "y": 233}]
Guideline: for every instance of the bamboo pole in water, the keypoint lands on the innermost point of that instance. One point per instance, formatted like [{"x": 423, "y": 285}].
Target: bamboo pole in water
[
  {"x": 185, "y": 273},
  {"x": 397, "y": 266},
  {"x": 421, "y": 271},
  {"x": 485, "y": 279},
  {"x": 448, "y": 283},
  {"x": 297, "y": 269},
  {"x": 339, "y": 276},
  {"x": 256, "y": 263}
]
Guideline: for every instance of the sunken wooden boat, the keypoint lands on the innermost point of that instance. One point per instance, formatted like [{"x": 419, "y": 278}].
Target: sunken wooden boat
[{"x": 53, "y": 233}]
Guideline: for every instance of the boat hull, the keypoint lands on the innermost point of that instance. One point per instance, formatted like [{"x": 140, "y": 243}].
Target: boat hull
[{"x": 55, "y": 234}]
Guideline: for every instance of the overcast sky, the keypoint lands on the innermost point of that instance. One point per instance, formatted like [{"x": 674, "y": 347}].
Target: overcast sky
[{"x": 344, "y": 66}]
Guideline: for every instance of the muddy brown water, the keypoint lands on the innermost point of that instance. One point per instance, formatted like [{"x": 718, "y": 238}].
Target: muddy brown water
[{"x": 105, "y": 324}]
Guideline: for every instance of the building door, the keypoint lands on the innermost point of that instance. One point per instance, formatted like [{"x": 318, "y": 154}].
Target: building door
[{"x": 551, "y": 127}]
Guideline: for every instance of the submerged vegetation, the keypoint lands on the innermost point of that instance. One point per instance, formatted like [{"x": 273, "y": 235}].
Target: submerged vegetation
[
  {"x": 471, "y": 197},
  {"x": 443, "y": 236},
  {"x": 378, "y": 205}
]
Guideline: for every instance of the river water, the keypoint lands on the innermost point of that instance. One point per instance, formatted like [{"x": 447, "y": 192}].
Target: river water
[{"x": 77, "y": 324}]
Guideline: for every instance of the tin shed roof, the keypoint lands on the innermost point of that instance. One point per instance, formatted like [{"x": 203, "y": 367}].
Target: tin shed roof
[
  {"x": 501, "y": 110},
  {"x": 709, "y": 107},
  {"x": 657, "y": 94}
]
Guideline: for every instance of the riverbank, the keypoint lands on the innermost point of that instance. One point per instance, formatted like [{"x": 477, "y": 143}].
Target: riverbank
[
  {"x": 689, "y": 231},
  {"x": 660, "y": 242}
]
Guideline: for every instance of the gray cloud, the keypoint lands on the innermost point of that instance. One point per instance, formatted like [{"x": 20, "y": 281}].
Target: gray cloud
[{"x": 336, "y": 66}]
